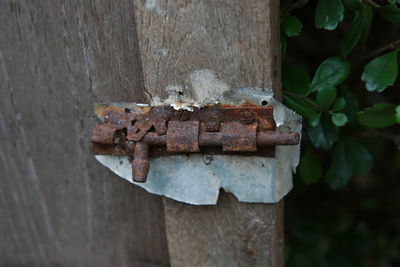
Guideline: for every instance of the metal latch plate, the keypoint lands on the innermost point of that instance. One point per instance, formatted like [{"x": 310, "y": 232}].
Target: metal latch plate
[{"x": 162, "y": 130}]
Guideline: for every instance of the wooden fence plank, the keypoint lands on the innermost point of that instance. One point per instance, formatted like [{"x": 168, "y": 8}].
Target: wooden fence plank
[
  {"x": 58, "y": 206},
  {"x": 238, "y": 43}
]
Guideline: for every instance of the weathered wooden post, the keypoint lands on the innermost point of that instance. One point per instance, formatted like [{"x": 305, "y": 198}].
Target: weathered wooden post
[
  {"x": 57, "y": 58},
  {"x": 238, "y": 42},
  {"x": 58, "y": 206}
]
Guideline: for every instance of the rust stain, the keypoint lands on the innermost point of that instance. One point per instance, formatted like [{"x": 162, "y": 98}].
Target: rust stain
[
  {"x": 238, "y": 136},
  {"x": 155, "y": 131},
  {"x": 183, "y": 136}
]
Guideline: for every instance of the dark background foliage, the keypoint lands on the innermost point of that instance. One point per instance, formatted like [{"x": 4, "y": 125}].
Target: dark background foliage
[{"x": 345, "y": 206}]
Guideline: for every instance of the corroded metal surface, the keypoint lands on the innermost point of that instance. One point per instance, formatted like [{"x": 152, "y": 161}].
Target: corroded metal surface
[
  {"x": 245, "y": 129},
  {"x": 140, "y": 163},
  {"x": 239, "y": 136},
  {"x": 183, "y": 136}
]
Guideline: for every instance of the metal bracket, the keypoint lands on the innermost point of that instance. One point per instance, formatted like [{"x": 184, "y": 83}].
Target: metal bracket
[{"x": 161, "y": 130}]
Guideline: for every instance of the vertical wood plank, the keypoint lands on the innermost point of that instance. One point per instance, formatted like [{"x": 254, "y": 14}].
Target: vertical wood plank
[
  {"x": 228, "y": 234},
  {"x": 58, "y": 206},
  {"x": 237, "y": 42}
]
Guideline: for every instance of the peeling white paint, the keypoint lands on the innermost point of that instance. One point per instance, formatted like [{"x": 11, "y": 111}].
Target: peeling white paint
[
  {"x": 176, "y": 99},
  {"x": 196, "y": 179},
  {"x": 207, "y": 88}
]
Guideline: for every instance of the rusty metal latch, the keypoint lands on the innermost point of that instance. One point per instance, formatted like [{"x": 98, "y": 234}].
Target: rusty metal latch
[{"x": 162, "y": 130}]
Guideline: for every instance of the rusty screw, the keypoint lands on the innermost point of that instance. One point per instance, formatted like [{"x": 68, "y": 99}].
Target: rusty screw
[{"x": 246, "y": 117}]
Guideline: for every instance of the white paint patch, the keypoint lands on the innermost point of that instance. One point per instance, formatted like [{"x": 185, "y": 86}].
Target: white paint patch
[
  {"x": 163, "y": 52},
  {"x": 207, "y": 88},
  {"x": 150, "y": 4},
  {"x": 154, "y": 5},
  {"x": 178, "y": 100},
  {"x": 155, "y": 101}
]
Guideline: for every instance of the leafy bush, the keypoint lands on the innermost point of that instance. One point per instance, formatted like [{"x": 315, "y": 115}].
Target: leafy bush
[{"x": 339, "y": 71}]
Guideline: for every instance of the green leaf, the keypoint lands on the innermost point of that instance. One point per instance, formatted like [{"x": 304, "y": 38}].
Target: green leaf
[
  {"x": 381, "y": 72},
  {"x": 348, "y": 157},
  {"x": 358, "y": 157},
  {"x": 376, "y": 147},
  {"x": 291, "y": 26},
  {"x": 328, "y": 14},
  {"x": 340, "y": 103},
  {"x": 294, "y": 79},
  {"x": 303, "y": 108},
  {"x": 351, "y": 107},
  {"x": 349, "y": 15},
  {"x": 314, "y": 119},
  {"x": 332, "y": 71},
  {"x": 339, "y": 171},
  {"x": 390, "y": 13},
  {"x": 325, "y": 96},
  {"x": 352, "y": 37},
  {"x": 310, "y": 166},
  {"x": 339, "y": 119},
  {"x": 359, "y": 29},
  {"x": 393, "y": 2},
  {"x": 397, "y": 114},
  {"x": 325, "y": 134},
  {"x": 368, "y": 15},
  {"x": 353, "y": 4},
  {"x": 378, "y": 116}
]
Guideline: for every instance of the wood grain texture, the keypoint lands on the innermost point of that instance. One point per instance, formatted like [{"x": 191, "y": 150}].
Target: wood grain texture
[
  {"x": 228, "y": 234},
  {"x": 58, "y": 206},
  {"x": 238, "y": 41}
]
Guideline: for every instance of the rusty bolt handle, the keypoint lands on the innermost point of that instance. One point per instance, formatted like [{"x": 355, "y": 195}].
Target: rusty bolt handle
[
  {"x": 141, "y": 164},
  {"x": 216, "y": 138}
]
